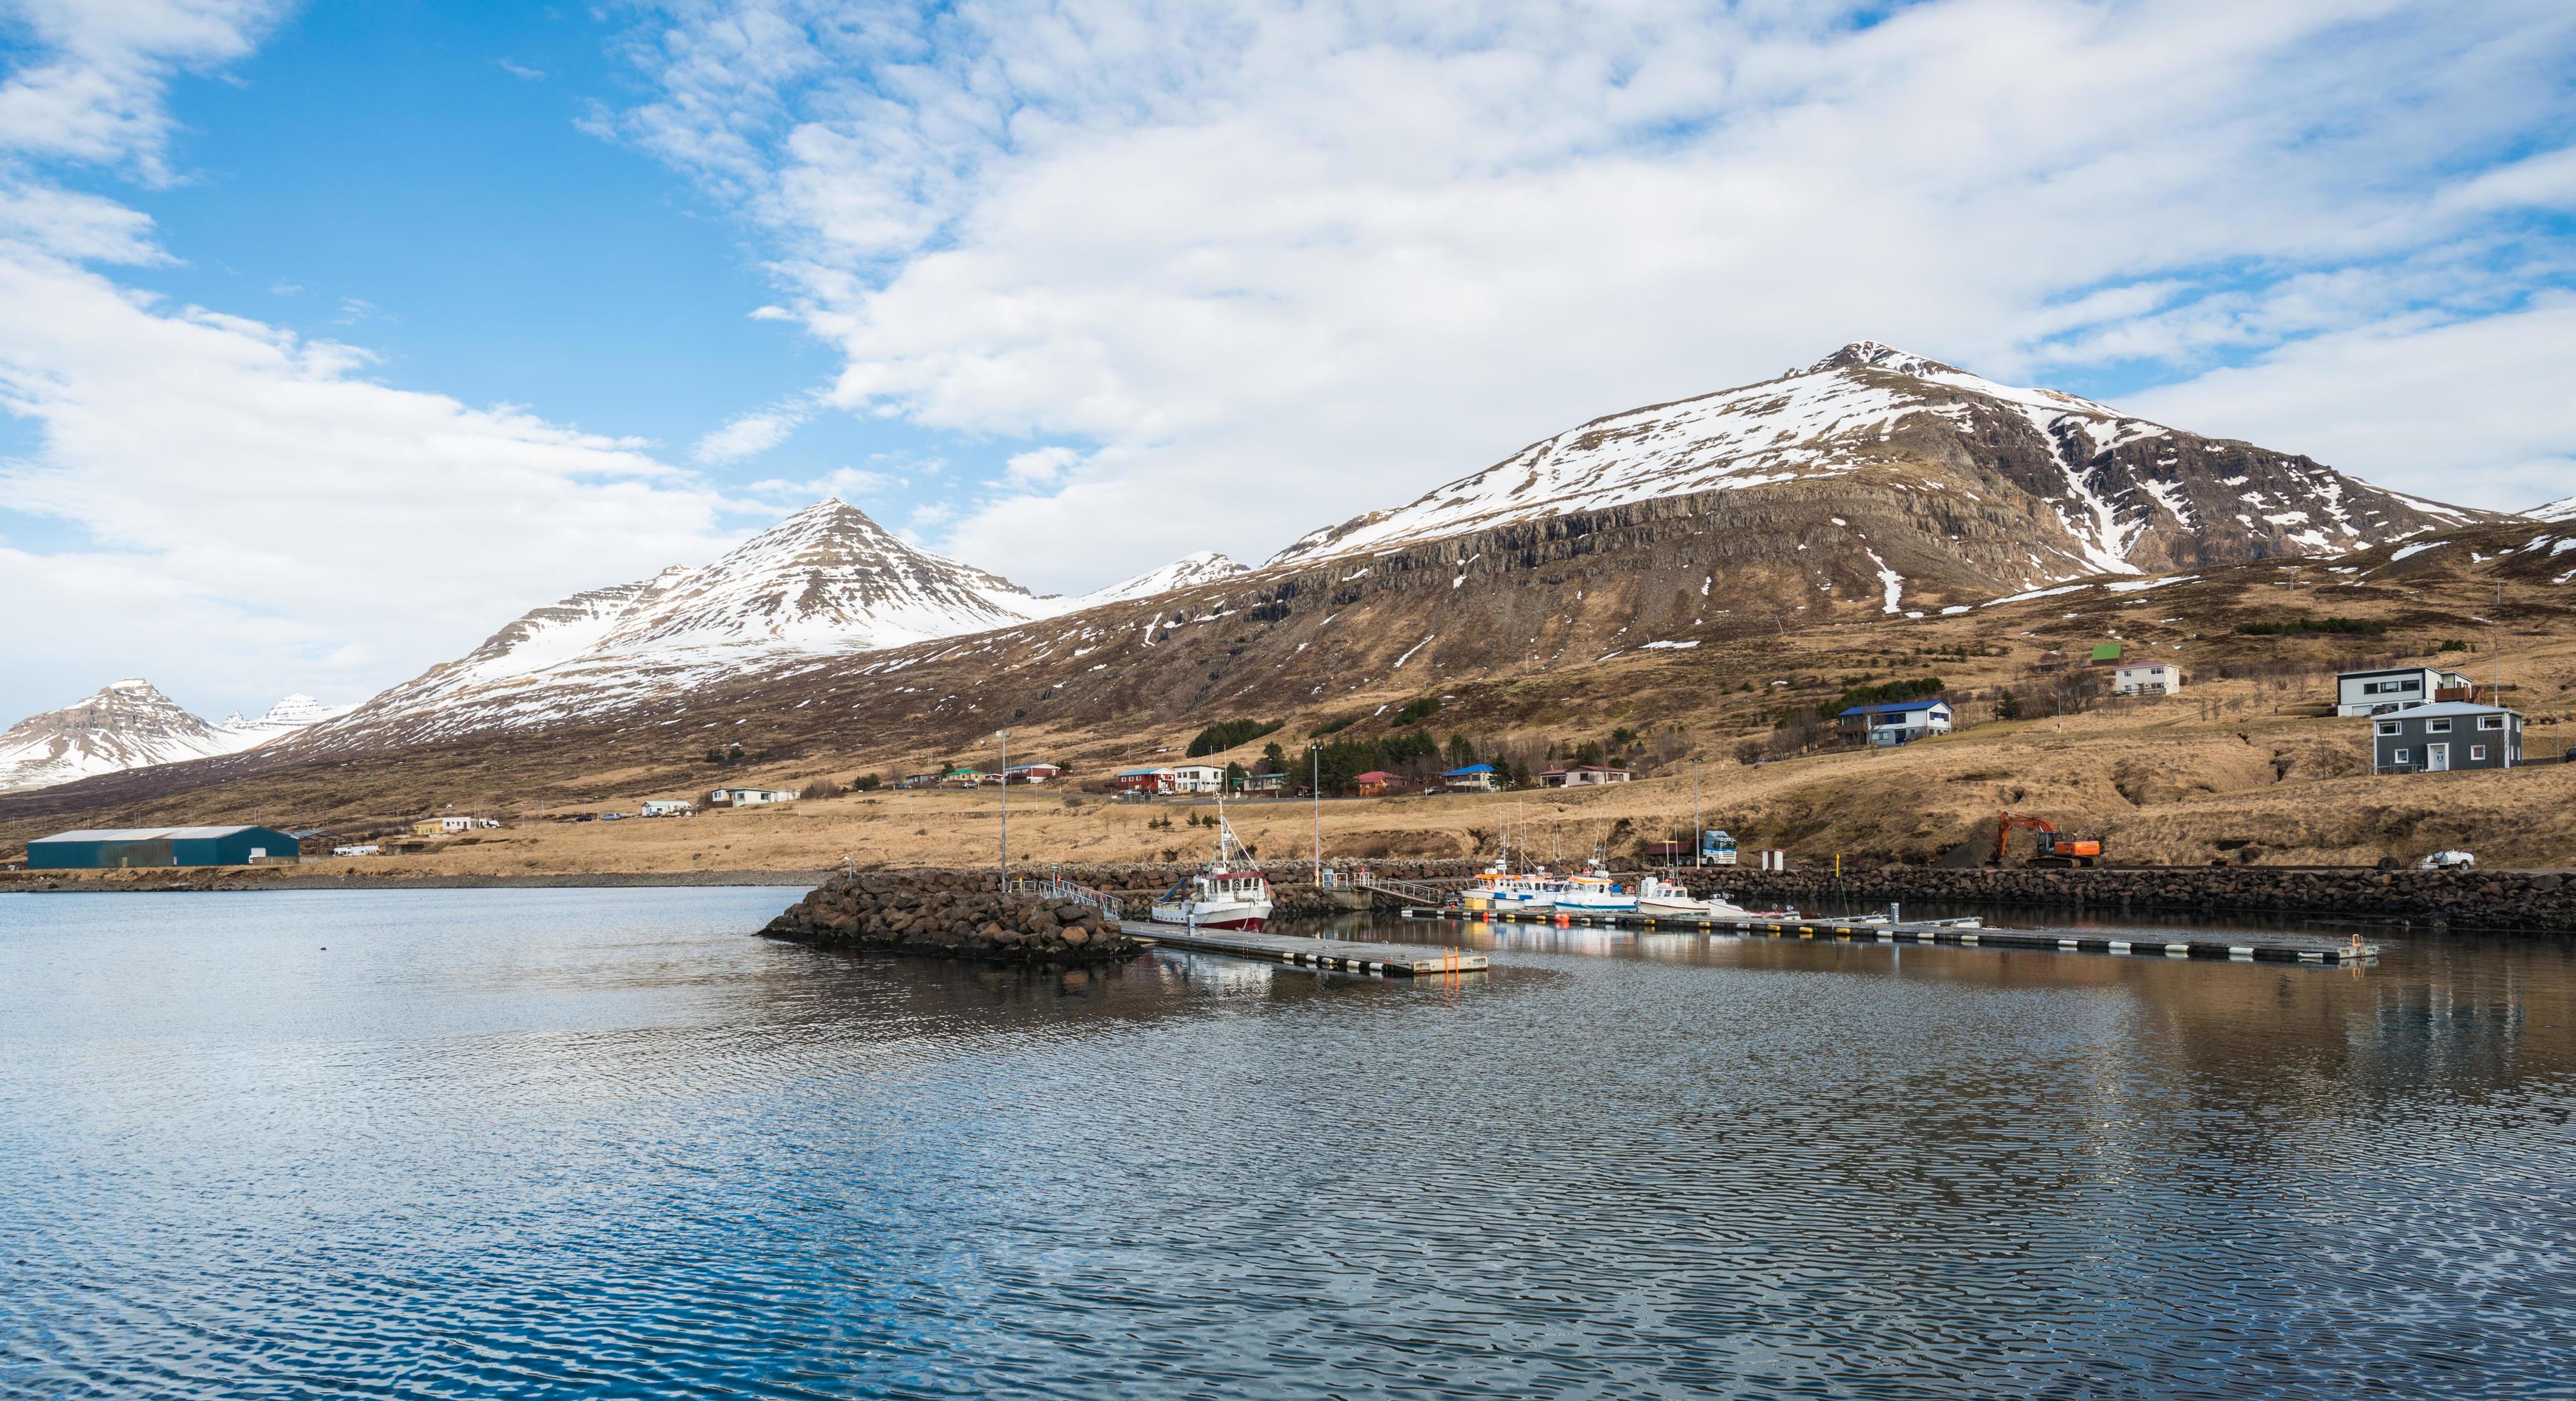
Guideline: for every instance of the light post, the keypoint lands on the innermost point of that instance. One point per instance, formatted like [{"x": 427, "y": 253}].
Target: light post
[
  {"x": 1315, "y": 788},
  {"x": 1698, "y": 843},
  {"x": 1005, "y": 737}
]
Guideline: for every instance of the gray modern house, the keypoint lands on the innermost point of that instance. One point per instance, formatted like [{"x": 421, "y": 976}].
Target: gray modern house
[{"x": 2445, "y": 735}]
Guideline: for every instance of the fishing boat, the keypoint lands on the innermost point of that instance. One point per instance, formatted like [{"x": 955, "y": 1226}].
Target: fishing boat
[
  {"x": 1595, "y": 891},
  {"x": 1230, "y": 894},
  {"x": 1662, "y": 897},
  {"x": 1500, "y": 890}
]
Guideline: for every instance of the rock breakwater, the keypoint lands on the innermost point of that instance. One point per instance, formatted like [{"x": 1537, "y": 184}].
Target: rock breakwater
[
  {"x": 2510, "y": 901},
  {"x": 950, "y": 914}
]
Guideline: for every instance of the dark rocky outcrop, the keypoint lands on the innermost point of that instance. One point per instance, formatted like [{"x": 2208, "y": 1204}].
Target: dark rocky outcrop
[{"x": 950, "y": 914}]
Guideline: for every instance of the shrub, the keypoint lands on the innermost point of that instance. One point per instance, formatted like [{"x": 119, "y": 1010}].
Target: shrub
[
  {"x": 868, "y": 782},
  {"x": 2311, "y": 627},
  {"x": 1331, "y": 727},
  {"x": 1417, "y": 710},
  {"x": 820, "y": 788},
  {"x": 1226, "y": 734}
]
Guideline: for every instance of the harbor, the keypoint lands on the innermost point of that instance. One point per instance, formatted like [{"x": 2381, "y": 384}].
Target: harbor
[{"x": 1339, "y": 955}]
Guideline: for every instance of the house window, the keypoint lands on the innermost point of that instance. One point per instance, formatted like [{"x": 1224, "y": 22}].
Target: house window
[
  {"x": 2437, "y": 727},
  {"x": 2490, "y": 722},
  {"x": 2399, "y": 756},
  {"x": 2477, "y": 751},
  {"x": 2388, "y": 727}
]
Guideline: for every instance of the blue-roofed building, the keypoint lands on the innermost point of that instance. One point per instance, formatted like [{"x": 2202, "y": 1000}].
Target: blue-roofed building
[
  {"x": 1474, "y": 778},
  {"x": 1895, "y": 722},
  {"x": 119, "y": 848}
]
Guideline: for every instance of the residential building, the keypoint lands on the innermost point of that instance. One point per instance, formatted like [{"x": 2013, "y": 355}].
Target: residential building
[
  {"x": 1145, "y": 781},
  {"x": 962, "y": 778},
  {"x": 442, "y": 826},
  {"x": 117, "y": 848},
  {"x": 1197, "y": 778},
  {"x": 2445, "y": 735},
  {"x": 1376, "y": 783},
  {"x": 2104, "y": 654},
  {"x": 1894, "y": 722},
  {"x": 750, "y": 797},
  {"x": 1583, "y": 776},
  {"x": 1478, "y": 778},
  {"x": 1265, "y": 783},
  {"x": 918, "y": 780},
  {"x": 2146, "y": 679},
  {"x": 668, "y": 807},
  {"x": 2395, "y": 688},
  {"x": 1032, "y": 773}
]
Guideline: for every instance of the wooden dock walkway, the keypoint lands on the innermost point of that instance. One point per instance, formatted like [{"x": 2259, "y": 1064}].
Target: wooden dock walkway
[
  {"x": 2238, "y": 948},
  {"x": 1342, "y": 955}
]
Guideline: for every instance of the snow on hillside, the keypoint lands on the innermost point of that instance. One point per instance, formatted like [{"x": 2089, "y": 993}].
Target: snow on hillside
[
  {"x": 1837, "y": 416},
  {"x": 2554, "y": 511},
  {"x": 131, "y": 724},
  {"x": 1189, "y": 571}
]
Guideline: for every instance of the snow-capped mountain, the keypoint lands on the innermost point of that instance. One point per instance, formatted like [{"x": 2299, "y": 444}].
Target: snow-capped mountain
[
  {"x": 1187, "y": 572},
  {"x": 825, "y": 580},
  {"x": 131, "y": 724},
  {"x": 2120, "y": 493},
  {"x": 2554, "y": 511}
]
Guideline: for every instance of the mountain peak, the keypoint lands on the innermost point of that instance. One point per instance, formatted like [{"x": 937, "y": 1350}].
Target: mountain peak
[{"x": 1877, "y": 355}]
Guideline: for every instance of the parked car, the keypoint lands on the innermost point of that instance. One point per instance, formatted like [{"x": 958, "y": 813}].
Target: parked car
[{"x": 2447, "y": 861}]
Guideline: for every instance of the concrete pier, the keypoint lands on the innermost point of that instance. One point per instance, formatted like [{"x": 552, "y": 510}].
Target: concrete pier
[
  {"x": 1341, "y": 955},
  {"x": 2242, "y": 948}
]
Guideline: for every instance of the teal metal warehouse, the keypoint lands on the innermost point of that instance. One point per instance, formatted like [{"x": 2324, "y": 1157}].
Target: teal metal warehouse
[{"x": 158, "y": 846}]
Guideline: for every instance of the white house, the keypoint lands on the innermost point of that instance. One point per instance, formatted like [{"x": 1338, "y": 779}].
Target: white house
[
  {"x": 1583, "y": 776},
  {"x": 668, "y": 807},
  {"x": 2396, "y": 688},
  {"x": 1895, "y": 722},
  {"x": 750, "y": 797},
  {"x": 2146, "y": 679},
  {"x": 1195, "y": 778}
]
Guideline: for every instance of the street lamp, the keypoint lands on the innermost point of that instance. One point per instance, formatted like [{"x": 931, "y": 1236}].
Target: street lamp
[
  {"x": 1005, "y": 737},
  {"x": 1315, "y": 787},
  {"x": 1698, "y": 843}
]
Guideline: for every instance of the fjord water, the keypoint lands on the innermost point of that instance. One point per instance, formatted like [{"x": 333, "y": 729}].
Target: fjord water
[{"x": 602, "y": 1142}]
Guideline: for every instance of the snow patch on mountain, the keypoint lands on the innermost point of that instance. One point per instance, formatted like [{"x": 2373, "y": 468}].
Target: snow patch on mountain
[{"x": 2554, "y": 511}]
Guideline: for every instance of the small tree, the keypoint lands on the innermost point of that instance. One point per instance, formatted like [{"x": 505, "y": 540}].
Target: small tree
[
  {"x": 1461, "y": 753},
  {"x": 1273, "y": 758},
  {"x": 868, "y": 782},
  {"x": 1235, "y": 774},
  {"x": 2007, "y": 705}
]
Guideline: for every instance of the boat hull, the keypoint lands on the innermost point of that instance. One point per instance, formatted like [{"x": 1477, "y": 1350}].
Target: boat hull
[{"x": 1249, "y": 918}]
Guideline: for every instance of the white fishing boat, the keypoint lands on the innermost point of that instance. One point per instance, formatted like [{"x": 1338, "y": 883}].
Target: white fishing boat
[
  {"x": 1595, "y": 891},
  {"x": 1662, "y": 897},
  {"x": 1230, "y": 894},
  {"x": 1500, "y": 890}
]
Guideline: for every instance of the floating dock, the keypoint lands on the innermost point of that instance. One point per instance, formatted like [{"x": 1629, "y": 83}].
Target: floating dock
[
  {"x": 1340, "y": 955},
  {"x": 2239, "y": 948}
]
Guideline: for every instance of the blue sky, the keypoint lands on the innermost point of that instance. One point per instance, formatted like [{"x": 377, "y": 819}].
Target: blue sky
[{"x": 334, "y": 336}]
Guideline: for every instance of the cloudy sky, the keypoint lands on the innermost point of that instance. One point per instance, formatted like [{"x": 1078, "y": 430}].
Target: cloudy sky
[{"x": 334, "y": 336}]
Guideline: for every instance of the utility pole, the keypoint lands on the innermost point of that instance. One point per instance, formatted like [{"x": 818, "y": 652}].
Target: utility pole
[
  {"x": 1005, "y": 737},
  {"x": 1696, "y": 842},
  {"x": 1315, "y": 787}
]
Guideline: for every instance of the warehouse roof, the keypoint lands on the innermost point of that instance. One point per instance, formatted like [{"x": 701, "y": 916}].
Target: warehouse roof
[{"x": 147, "y": 834}]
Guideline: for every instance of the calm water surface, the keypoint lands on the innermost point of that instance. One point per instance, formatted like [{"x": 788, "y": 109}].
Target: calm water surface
[{"x": 593, "y": 1143}]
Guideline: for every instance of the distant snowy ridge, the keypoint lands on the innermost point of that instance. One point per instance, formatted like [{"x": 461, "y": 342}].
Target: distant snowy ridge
[
  {"x": 1189, "y": 571},
  {"x": 2099, "y": 470},
  {"x": 825, "y": 581},
  {"x": 130, "y": 724},
  {"x": 2554, "y": 511}
]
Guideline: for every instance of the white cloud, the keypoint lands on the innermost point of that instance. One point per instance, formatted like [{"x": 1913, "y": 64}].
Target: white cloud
[
  {"x": 1040, "y": 466},
  {"x": 252, "y": 476},
  {"x": 1365, "y": 249},
  {"x": 91, "y": 87},
  {"x": 748, "y": 435},
  {"x": 2358, "y": 398},
  {"x": 521, "y": 70}
]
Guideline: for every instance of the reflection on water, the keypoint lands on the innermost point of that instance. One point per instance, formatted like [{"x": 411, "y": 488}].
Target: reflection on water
[{"x": 536, "y": 1143}]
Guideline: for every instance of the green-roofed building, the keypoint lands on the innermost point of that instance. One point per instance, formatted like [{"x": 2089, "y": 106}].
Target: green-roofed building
[{"x": 2106, "y": 653}]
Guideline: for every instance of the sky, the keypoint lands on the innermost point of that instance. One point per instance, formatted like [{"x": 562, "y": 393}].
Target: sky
[{"x": 334, "y": 336}]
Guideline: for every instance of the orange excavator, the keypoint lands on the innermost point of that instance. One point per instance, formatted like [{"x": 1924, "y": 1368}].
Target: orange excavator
[{"x": 2054, "y": 849}]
